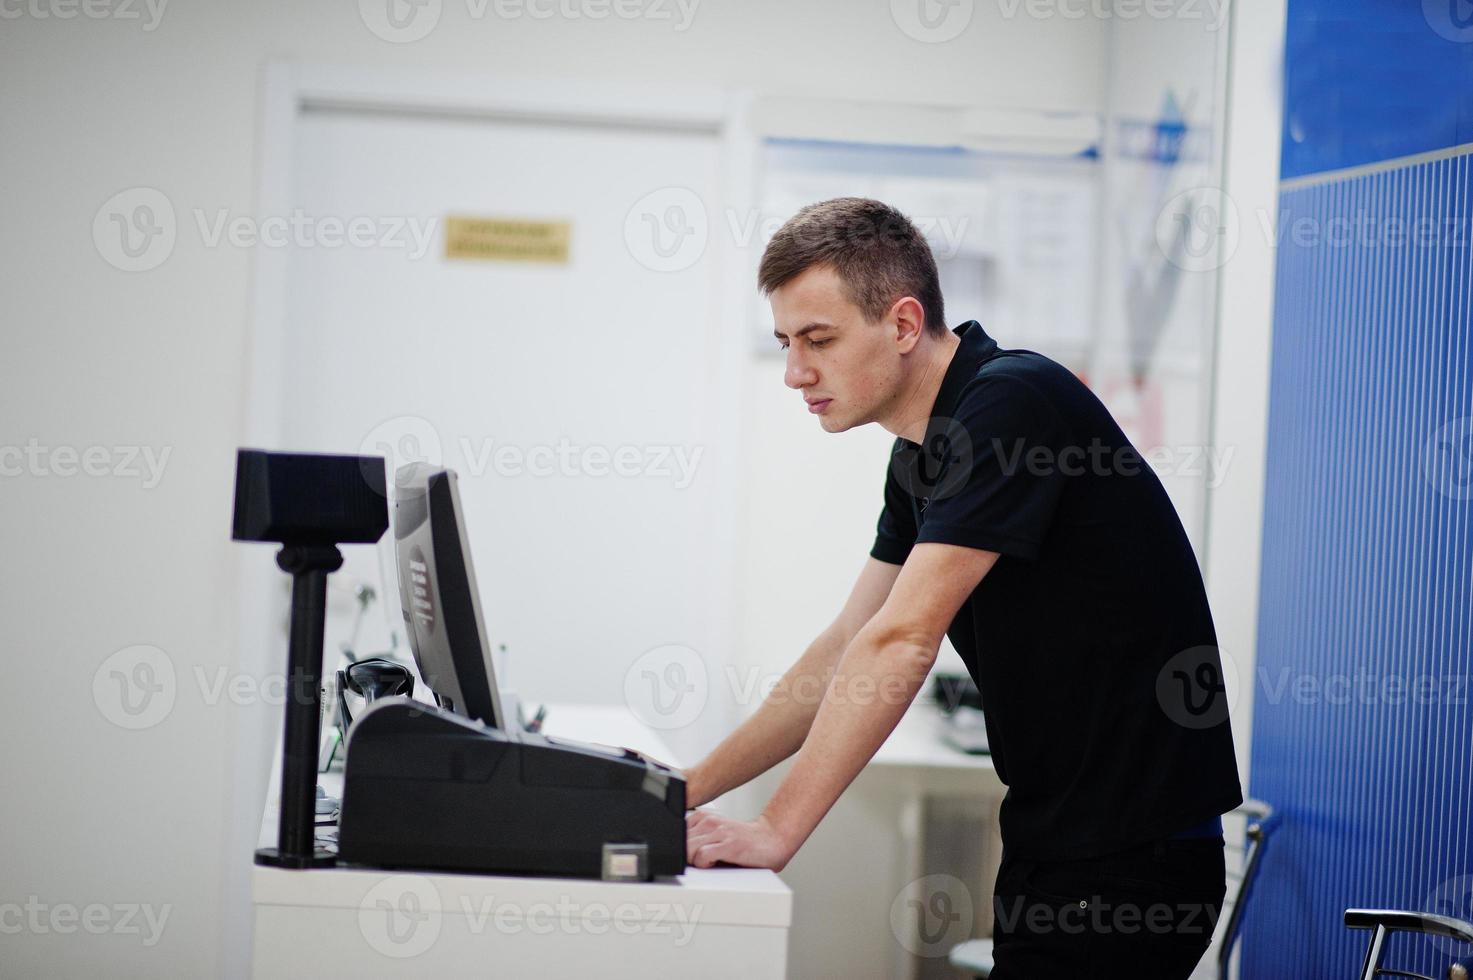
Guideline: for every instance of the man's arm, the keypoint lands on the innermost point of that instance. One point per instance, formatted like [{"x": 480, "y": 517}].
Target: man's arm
[
  {"x": 777, "y": 729},
  {"x": 879, "y": 675}
]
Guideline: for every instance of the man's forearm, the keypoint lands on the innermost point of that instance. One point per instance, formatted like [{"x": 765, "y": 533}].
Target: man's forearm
[
  {"x": 776, "y": 730},
  {"x": 881, "y": 670},
  {"x": 879, "y": 676}
]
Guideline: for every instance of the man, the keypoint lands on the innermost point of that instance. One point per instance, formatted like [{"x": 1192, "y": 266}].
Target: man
[{"x": 1018, "y": 521}]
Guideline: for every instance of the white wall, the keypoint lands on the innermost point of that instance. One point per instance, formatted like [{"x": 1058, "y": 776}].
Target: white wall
[
  {"x": 1255, "y": 101},
  {"x": 97, "y": 357}
]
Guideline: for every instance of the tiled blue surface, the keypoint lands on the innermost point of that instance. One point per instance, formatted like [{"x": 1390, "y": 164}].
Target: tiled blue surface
[{"x": 1361, "y": 723}]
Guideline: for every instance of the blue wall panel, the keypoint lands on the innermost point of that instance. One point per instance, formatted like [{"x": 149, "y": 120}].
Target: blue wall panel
[
  {"x": 1369, "y": 80},
  {"x": 1362, "y": 702}
]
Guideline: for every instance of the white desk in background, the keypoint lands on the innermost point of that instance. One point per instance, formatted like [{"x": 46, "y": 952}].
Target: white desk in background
[
  {"x": 357, "y": 922},
  {"x": 917, "y": 741}
]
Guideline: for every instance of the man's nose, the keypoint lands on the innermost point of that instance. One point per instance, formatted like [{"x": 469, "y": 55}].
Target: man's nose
[{"x": 797, "y": 374}]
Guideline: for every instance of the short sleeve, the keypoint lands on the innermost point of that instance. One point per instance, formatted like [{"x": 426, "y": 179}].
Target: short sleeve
[
  {"x": 895, "y": 533},
  {"x": 1005, "y": 459}
]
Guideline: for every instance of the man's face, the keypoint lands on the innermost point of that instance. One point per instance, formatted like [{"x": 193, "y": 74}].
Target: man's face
[{"x": 847, "y": 368}]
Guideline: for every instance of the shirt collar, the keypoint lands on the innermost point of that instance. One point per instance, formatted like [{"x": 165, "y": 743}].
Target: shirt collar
[{"x": 975, "y": 349}]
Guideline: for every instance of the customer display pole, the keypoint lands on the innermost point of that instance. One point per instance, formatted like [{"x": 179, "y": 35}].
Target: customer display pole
[{"x": 308, "y": 503}]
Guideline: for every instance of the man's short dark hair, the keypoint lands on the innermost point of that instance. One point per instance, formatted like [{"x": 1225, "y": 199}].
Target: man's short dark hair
[{"x": 878, "y": 253}]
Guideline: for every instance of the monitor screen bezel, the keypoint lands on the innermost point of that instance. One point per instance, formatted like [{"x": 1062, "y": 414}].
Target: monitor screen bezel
[{"x": 448, "y": 638}]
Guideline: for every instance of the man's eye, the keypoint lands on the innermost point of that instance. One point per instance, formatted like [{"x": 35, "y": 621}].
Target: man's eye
[
  {"x": 821, "y": 344},
  {"x": 781, "y": 345}
]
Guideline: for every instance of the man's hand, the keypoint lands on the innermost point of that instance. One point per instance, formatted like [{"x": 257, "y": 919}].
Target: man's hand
[{"x": 711, "y": 839}]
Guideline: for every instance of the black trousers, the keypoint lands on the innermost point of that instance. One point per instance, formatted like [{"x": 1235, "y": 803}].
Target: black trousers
[{"x": 1147, "y": 912}]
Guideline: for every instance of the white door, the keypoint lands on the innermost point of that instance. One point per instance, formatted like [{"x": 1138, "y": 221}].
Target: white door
[{"x": 575, "y": 400}]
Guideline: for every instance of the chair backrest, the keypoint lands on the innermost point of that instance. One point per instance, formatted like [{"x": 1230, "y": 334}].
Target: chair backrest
[
  {"x": 1245, "y": 832},
  {"x": 1383, "y": 922}
]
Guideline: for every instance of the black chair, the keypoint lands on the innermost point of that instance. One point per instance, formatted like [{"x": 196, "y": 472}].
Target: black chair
[
  {"x": 1259, "y": 822},
  {"x": 1383, "y": 922}
]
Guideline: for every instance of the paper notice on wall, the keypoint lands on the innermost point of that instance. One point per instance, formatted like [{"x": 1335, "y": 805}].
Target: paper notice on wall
[{"x": 508, "y": 239}]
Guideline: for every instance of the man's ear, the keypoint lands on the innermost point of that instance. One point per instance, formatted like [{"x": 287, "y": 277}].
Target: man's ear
[{"x": 910, "y": 322}]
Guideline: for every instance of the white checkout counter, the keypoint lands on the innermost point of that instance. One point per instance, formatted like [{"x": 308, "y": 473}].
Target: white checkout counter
[{"x": 356, "y": 923}]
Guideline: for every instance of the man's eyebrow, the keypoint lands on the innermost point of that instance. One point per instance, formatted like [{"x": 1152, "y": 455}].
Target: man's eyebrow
[{"x": 807, "y": 328}]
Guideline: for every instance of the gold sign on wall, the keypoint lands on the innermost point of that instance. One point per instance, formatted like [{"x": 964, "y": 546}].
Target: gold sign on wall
[{"x": 508, "y": 239}]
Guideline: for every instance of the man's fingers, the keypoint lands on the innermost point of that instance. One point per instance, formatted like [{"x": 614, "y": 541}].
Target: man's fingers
[
  {"x": 702, "y": 820},
  {"x": 692, "y": 843},
  {"x": 707, "y": 854}
]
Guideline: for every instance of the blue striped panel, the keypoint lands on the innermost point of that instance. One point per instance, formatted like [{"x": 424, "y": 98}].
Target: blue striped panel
[{"x": 1367, "y": 548}]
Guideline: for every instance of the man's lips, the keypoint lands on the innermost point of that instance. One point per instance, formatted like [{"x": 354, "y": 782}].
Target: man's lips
[{"x": 817, "y": 405}]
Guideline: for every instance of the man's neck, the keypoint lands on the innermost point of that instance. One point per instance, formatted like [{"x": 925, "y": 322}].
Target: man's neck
[{"x": 914, "y": 404}]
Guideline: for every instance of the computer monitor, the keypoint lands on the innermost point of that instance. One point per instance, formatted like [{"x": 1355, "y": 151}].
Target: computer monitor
[{"x": 437, "y": 589}]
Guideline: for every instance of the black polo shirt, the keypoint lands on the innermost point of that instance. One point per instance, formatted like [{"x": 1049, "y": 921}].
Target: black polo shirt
[{"x": 1091, "y": 638}]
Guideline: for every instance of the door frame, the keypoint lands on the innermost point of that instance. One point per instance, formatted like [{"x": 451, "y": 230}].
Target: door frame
[{"x": 287, "y": 91}]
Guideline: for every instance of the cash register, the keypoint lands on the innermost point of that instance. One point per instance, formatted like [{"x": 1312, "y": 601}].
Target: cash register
[{"x": 457, "y": 785}]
